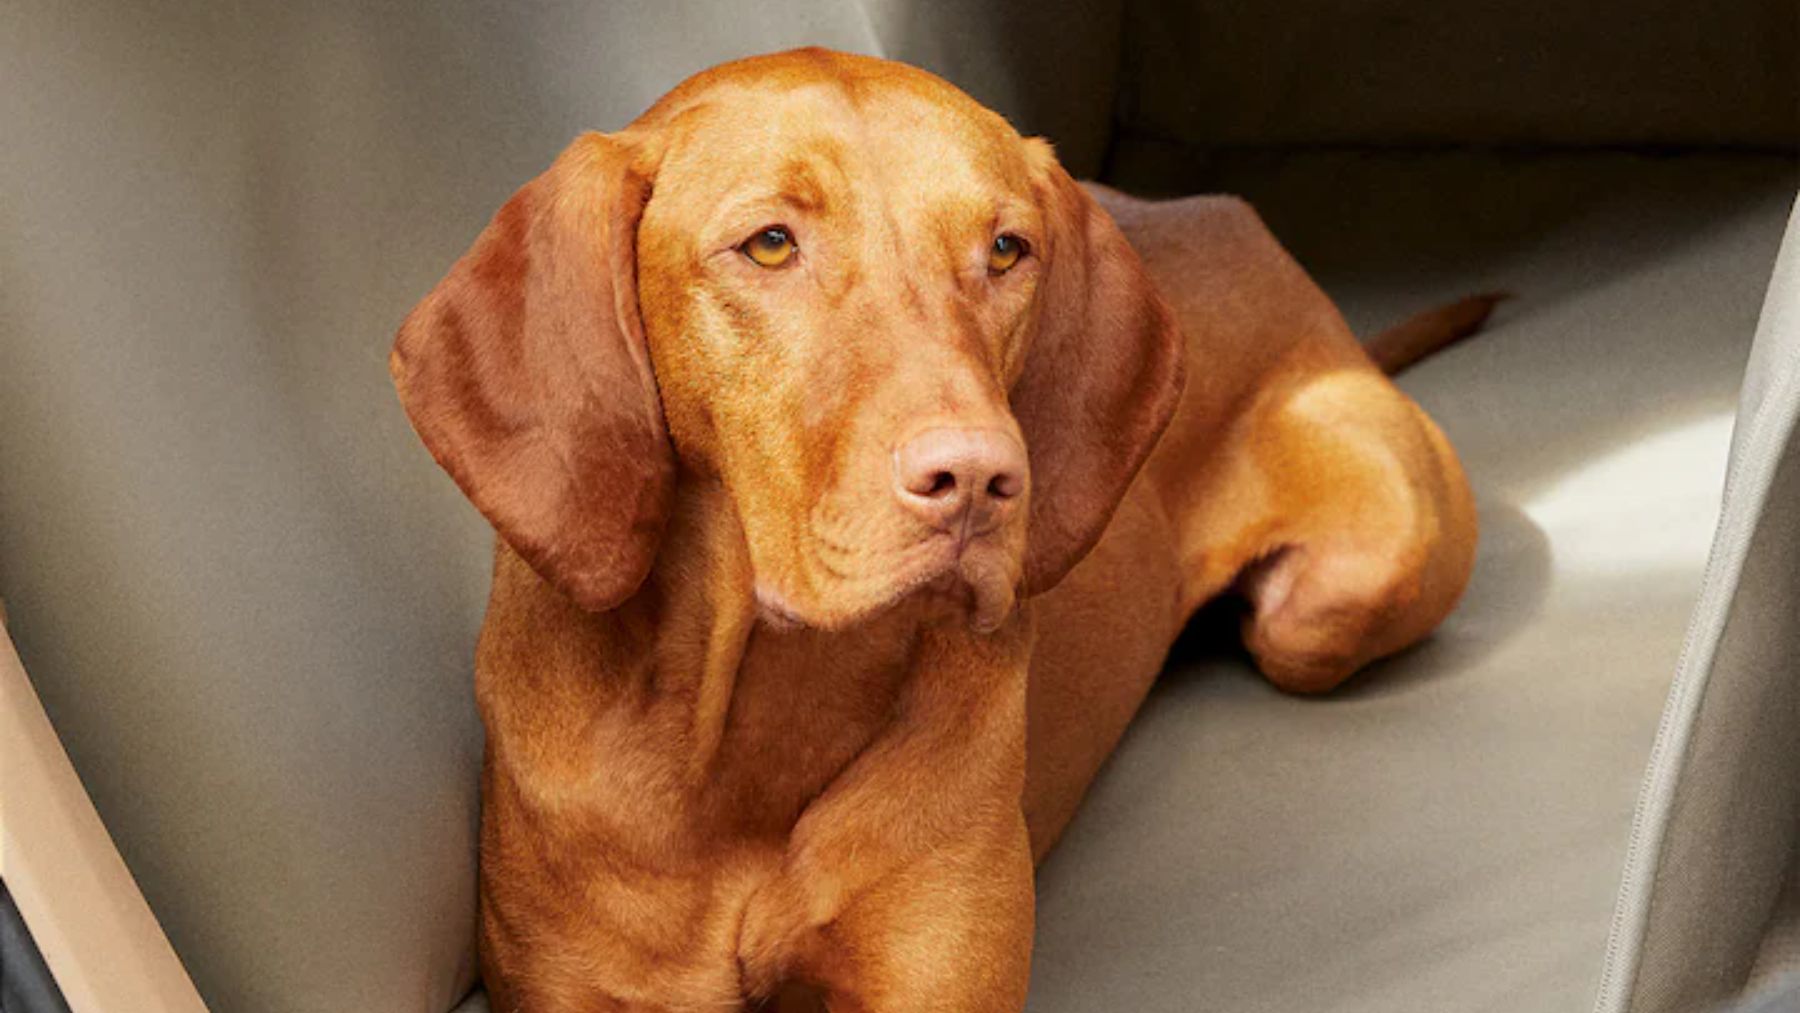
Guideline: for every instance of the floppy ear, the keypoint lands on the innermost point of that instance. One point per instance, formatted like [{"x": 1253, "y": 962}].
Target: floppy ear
[
  {"x": 526, "y": 374},
  {"x": 1102, "y": 376}
]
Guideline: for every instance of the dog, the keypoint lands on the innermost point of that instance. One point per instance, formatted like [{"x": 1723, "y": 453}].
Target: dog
[{"x": 854, "y": 469}]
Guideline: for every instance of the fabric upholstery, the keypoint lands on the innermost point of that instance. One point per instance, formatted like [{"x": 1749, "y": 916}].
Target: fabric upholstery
[
  {"x": 1518, "y": 73},
  {"x": 1781, "y": 997},
  {"x": 1711, "y": 903}
]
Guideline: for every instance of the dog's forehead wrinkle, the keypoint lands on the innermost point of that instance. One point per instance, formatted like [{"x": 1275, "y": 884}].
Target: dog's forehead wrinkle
[
  {"x": 917, "y": 176},
  {"x": 874, "y": 99},
  {"x": 912, "y": 299}
]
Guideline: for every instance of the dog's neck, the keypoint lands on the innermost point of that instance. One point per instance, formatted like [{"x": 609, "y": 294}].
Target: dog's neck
[{"x": 684, "y": 677}]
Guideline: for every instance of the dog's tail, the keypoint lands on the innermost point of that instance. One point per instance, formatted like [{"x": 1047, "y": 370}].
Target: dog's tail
[{"x": 1424, "y": 333}]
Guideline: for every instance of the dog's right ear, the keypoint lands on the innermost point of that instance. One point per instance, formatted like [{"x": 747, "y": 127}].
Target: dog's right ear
[
  {"x": 526, "y": 374},
  {"x": 1104, "y": 374}
]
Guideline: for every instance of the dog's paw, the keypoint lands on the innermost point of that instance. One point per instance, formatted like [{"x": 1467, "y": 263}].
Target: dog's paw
[{"x": 780, "y": 931}]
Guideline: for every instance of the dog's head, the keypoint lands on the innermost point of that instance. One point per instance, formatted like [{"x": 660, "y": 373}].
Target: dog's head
[{"x": 914, "y": 353}]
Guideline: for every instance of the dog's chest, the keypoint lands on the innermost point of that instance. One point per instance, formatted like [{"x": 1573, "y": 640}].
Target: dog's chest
[{"x": 803, "y": 707}]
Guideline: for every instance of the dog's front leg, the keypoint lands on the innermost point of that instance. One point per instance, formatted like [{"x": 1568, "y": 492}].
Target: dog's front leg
[{"x": 907, "y": 884}]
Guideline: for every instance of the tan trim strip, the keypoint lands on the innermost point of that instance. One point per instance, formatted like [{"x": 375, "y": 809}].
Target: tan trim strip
[{"x": 97, "y": 935}]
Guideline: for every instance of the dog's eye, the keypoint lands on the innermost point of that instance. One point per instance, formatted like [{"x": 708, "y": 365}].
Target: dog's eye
[
  {"x": 772, "y": 247},
  {"x": 1006, "y": 251}
]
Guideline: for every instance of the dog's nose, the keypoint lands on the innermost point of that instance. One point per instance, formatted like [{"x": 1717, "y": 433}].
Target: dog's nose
[{"x": 960, "y": 478}]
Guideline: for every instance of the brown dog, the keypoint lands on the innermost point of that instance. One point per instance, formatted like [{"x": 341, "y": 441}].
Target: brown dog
[{"x": 816, "y": 409}]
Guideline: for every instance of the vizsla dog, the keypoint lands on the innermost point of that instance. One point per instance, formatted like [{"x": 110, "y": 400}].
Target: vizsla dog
[{"x": 852, "y": 480}]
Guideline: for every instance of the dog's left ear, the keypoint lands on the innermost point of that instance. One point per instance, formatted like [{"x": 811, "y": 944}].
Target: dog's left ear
[{"x": 1102, "y": 375}]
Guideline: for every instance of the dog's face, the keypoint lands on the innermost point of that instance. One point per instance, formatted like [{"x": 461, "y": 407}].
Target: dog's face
[
  {"x": 914, "y": 354},
  {"x": 836, "y": 272}
]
